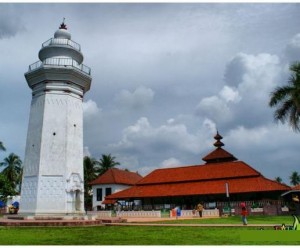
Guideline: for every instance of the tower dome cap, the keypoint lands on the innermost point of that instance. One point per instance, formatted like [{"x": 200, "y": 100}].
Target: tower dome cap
[{"x": 62, "y": 32}]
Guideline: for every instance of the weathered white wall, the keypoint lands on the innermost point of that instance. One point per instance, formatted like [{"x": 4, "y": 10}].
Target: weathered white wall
[
  {"x": 114, "y": 188},
  {"x": 54, "y": 155}
]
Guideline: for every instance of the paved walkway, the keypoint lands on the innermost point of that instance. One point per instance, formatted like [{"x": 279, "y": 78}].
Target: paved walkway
[
  {"x": 190, "y": 225},
  {"x": 147, "y": 222},
  {"x": 15, "y": 222}
]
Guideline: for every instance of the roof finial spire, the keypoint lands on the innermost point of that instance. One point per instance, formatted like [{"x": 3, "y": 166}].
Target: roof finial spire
[
  {"x": 63, "y": 25},
  {"x": 218, "y": 142}
]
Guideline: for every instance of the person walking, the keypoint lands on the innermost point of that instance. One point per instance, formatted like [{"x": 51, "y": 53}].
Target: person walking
[
  {"x": 200, "y": 209},
  {"x": 244, "y": 213}
]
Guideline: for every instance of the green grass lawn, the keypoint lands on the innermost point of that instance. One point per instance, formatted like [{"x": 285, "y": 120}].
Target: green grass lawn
[{"x": 143, "y": 235}]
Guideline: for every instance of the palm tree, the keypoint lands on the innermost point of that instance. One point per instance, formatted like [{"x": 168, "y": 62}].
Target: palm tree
[
  {"x": 2, "y": 147},
  {"x": 278, "y": 179},
  {"x": 5, "y": 188},
  {"x": 107, "y": 162},
  {"x": 12, "y": 170},
  {"x": 91, "y": 171},
  {"x": 295, "y": 178},
  {"x": 91, "y": 168},
  {"x": 287, "y": 99}
]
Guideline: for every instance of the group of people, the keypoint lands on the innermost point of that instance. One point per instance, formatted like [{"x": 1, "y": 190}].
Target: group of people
[{"x": 244, "y": 212}]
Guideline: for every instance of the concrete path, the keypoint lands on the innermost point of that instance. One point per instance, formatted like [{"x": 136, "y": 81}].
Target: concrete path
[
  {"x": 148, "y": 222},
  {"x": 187, "y": 225}
]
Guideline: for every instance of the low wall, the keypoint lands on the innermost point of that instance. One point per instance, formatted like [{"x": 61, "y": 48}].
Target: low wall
[
  {"x": 3, "y": 210},
  {"x": 154, "y": 214},
  {"x": 100, "y": 214},
  {"x": 139, "y": 214},
  {"x": 192, "y": 213}
]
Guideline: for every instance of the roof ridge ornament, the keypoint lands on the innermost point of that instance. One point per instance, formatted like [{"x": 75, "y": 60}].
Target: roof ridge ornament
[
  {"x": 218, "y": 142},
  {"x": 63, "y": 25}
]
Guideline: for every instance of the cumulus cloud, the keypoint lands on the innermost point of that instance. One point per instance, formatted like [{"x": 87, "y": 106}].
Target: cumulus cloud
[
  {"x": 260, "y": 74},
  {"x": 249, "y": 79},
  {"x": 163, "y": 139},
  {"x": 90, "y": 109},
  {"x": 292, "y": 50},
  {"x": 215, "y": 108},
  {"x": 229, "y": 94},
  {"x": 209, "y": 125},
  {"x": 263, "y": 147},
  {"x": 170, "y": 162},
  {"x": 139, "y": 98}
]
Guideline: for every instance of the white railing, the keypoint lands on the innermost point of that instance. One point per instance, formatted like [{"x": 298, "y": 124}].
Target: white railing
[
  {"x": 66, "y": 42},
  {"x": 63, "y": 62},
  {"x": 139, "y": 214}
]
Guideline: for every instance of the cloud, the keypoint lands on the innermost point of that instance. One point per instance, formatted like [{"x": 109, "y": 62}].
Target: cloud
[
  {"x": 292, "y": 50},
  {"x": 170, "y": 162},
  {"x": 229, "y": 94},
  {"x": 86, "y": 151},
  {"x": 243, "y": 100},
  {"x": 9, "y": 26},
  {"x": 163, "y": 139},
  {"x": 139, "y": 98},
  {"x": 90, "y": 109},
  {"x": 264, "y": 147},
  {"x": 259, "y": 74},
  {"x": 214, "y": 108},
  {"x": 150, "y": 145}
]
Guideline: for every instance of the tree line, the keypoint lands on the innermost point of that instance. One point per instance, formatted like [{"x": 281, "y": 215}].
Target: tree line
[{"x": 11, "y": 175}]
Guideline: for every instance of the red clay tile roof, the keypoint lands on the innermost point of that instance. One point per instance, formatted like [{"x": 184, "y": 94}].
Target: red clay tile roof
[
  {"x": 210, "y": 171},
  {"x": 117, "y": 176},
  {"x": 297, "y": 187},
  {"x": 237, "y": 185},
  {"x": 201, "y": 180},
  {"x": 219, "y": 155},
  {"x": 109, "y": 201}
]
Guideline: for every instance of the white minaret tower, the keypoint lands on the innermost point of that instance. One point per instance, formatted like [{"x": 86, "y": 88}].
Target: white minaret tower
[{"x": 53, "y": 165}]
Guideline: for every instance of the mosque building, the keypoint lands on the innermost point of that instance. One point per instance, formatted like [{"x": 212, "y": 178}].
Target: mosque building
[{"x": 221, "y": 181}]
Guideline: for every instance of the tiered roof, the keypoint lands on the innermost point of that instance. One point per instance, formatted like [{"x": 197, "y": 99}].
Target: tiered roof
[
  {"x": 117, "y": 176},
  {"x": 219, "y": 154},
  {"x": 221, "y": 167}
]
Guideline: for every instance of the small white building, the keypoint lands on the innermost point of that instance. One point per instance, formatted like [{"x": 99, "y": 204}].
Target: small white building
[{"x": 112, "y": 181}]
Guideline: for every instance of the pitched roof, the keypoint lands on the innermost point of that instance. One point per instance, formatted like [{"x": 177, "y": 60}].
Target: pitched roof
[
  {"x": 292, "y": 190},
  {"x": 117, "y": 176},
  {"x": 236, "y": 185},
  {"x": 201, "y": 180},
  {"x": 219, "y": 155},
  {"x": 210, "y": 171},
  {"x": 221, "y": 167},
  {"x": 297, "y": 187}
]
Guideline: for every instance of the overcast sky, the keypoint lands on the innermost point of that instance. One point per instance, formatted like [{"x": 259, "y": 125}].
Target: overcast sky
[{"x": 165, "y": 77}]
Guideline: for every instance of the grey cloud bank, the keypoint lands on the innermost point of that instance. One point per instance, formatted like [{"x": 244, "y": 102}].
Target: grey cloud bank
[{"x": 165, "y": 77}]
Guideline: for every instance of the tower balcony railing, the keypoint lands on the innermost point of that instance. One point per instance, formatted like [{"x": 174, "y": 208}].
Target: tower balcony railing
[
  {"x": 62, "y": 62},
  {"x": 66, "y": 42}
]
